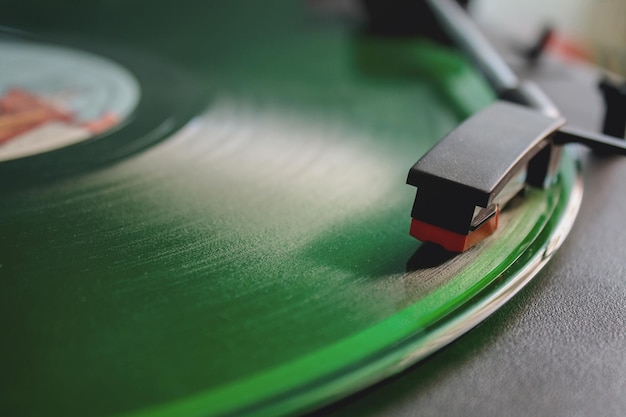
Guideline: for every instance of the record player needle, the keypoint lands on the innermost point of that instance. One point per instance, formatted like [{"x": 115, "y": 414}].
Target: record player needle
[{"x": 472, "y": 173}]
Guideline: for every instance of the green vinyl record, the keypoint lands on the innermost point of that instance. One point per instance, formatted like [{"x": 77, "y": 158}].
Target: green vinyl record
[{"x": 238, "y": 243}]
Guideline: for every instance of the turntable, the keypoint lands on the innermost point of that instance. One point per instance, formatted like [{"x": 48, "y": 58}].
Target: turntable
[{"x": 205, "y": 212}]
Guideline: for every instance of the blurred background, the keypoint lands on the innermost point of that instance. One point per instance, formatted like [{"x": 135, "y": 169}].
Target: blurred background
[{"x": 591, "y": 29}]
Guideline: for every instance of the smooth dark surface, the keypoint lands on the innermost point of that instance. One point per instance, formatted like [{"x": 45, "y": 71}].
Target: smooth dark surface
[{"x": 615, "y": 101}]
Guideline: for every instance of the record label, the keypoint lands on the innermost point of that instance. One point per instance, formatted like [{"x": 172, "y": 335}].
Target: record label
[{"x": 52, "y": 97}]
